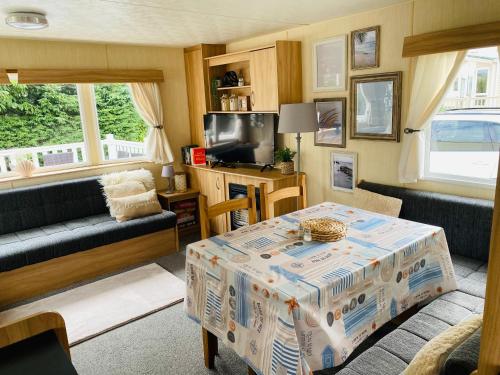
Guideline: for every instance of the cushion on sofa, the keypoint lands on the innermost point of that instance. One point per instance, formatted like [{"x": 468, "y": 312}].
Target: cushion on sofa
[
  {"x": 456, "y": 215},
  {"x": 430, "y": 359},
  {"x": 42, "y": 205},
  {"x": 382, "y": 204},
  {"x": 464, "y": 359},
  {"x": 36, "y": 245}
]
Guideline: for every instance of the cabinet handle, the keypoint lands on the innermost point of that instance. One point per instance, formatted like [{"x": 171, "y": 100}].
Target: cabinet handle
[
  {"x": 252, "y": 99},
  {"x": 217, "y": 185}
]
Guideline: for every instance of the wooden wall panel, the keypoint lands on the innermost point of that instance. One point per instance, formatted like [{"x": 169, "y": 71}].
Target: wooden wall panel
[
  {"x": 476, "y": 36},
  {"x": 489, "y": 357}
]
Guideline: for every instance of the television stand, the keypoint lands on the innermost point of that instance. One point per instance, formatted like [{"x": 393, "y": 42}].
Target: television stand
[
  {"x": 222, "y": 164},
  {"x": 265, "y": 167}
]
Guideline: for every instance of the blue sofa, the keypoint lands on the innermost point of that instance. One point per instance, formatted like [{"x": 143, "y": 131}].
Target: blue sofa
[
  {"x": 54, "y": 234},
  {"x": 467, "y": 224}
]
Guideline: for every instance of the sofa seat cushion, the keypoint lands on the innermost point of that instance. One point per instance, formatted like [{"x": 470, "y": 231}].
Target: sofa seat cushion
[{"x": 37, "y": 245}]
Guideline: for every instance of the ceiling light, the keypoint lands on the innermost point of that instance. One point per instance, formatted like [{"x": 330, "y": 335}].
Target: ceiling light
[{"x": 27, "y": 20}]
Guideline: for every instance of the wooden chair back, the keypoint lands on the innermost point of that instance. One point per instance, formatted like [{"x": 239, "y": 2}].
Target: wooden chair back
[
  {"x": 267, "y": 200},
  {"x": 19, "y": 330},
  {"x": 206, "y": 213}
]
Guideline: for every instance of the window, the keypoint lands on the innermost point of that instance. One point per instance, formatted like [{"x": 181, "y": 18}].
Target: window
[
  {"x": 463, "y": 140},
  {"x": 481, "y": 81},
  {"x": 41, "y": 123},
  {"x": 122, "y": 129}
]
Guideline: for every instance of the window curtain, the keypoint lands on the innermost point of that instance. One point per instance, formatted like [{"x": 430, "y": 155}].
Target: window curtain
[
  {"x": 147, "y": 101},
  {"x": 432, "y": 77}
]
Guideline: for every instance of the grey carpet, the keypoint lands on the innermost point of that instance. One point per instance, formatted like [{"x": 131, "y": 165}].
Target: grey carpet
[{"x": 165, "y": 342}]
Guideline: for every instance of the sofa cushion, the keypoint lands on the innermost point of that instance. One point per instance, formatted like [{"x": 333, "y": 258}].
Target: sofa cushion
[
  {"x": 32, "y": 246},
  {"x": 455, "y": 214},
  {"x": 41, "y": 205}
]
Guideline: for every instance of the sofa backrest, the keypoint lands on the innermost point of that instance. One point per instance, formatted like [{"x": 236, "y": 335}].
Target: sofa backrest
[
  {"x": 40, "y": 205},
  {"x": 466, "y": 221}
]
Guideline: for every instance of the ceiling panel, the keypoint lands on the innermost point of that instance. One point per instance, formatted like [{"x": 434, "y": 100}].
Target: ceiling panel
[{"x": 176, "y": 22}]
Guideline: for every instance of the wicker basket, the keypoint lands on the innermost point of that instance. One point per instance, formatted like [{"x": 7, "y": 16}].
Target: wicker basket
[{"x": 287, "y": 167}]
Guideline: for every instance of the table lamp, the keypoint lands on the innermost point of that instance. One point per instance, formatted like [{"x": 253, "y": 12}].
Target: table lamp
[
  {"x": 168, "y": 172},
  {"x": 298, "y": 118}
]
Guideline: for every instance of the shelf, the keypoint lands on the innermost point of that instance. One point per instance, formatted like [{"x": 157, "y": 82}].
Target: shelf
[{"x": 234, "y": 87}]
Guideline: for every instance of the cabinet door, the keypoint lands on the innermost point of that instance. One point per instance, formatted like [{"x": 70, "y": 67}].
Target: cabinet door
[
  {"x": 193, "y": 61},
  {"x": 264, "y": 80},
  {"x": 211, "y": 184}
]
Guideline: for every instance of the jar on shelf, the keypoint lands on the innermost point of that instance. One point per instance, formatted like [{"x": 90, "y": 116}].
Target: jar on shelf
[
  {"x": 233, "y": 102},
  {"x": 242, "y": 103},
  {"x": 224, "y": 103}
]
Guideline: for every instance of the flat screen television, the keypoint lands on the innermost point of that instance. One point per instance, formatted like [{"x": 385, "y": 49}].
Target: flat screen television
[{"x": 241, "y": 138}]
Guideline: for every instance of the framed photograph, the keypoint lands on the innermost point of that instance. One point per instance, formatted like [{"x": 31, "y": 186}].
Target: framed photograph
[
  {"x": 343, "y": 172},
  {"x": 376, "y": 106},
  {"x": 332, "y": 123},
  {"x": 330, "y": 64},
  {"x": 365, "y": 48}
]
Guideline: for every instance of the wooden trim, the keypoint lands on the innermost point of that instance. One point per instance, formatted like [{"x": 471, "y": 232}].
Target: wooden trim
[
  {"x": 489, "y": 356},
  {"x": 475, "y": 36},
  {"x": 33, "y": 325},
  {"x": 89, "y": 75},
  {"x": 4, "y": 79},
  {"x": 228, "y": 58},
  {"x": 242, "y": 51},
  {"x": 59, "y": 272}
]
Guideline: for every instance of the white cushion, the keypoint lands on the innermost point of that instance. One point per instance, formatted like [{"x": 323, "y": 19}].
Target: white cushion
[{"x": 379, "y": 203}]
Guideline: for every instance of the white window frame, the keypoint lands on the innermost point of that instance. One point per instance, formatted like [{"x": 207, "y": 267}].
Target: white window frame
[
  {"x": 450, "y": 178},
  {"x": 100, "y": 150},
  {"x": 91, "y": 137},
  {"x": 488, "y": 71}
]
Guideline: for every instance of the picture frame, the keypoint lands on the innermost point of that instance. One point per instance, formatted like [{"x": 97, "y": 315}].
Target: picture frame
[
  {"x": 332, "y": 122},
  {"x": 365, "y": 48},
  {"x": 375, "y": 106},
  {"x": 343, "y": 171},
  {"x": 330, "y": 64}
]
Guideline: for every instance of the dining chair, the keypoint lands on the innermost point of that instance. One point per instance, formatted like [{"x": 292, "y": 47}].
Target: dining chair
[
  {"x": 267, "y": 200},
  {"x": 210, "y": 344},
  {"x": 206, "y": 213}
]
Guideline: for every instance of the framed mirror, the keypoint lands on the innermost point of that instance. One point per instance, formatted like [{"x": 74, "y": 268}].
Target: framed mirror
[{"x": 376, "y": 106}]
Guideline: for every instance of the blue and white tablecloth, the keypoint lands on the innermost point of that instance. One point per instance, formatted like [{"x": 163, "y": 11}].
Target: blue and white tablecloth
[{"x": 291, "y": 307}]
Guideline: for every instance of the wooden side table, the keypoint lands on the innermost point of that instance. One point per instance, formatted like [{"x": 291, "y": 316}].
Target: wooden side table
[{"x": 185, "y": 206}]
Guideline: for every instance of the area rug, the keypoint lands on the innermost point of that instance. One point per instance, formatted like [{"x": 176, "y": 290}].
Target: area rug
[{"x": 101, "y": 306}]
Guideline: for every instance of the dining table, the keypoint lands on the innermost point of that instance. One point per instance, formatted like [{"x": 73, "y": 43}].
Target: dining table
[{"x": 289, "y": 306}]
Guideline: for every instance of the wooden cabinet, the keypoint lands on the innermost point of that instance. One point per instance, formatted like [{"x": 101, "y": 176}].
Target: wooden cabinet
[
  {"x": 198, "y": 86},
  {"x": 264, "y": 87},
  {"x": 211, "y": 184},
  {"x": 272, "y": 76},
  {"x": 214, "y": 184}
]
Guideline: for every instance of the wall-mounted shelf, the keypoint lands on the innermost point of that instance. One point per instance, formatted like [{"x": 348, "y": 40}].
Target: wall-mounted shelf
[{"x": 234, "y": 87}]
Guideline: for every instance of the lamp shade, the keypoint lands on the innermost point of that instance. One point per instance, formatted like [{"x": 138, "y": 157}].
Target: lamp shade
[
  {"x": 167, "y": 171},
  {"x": 298, "y": 118}
]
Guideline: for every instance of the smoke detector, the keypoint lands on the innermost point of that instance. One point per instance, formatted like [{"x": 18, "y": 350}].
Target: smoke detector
[{"x": 27, "y": 20}]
